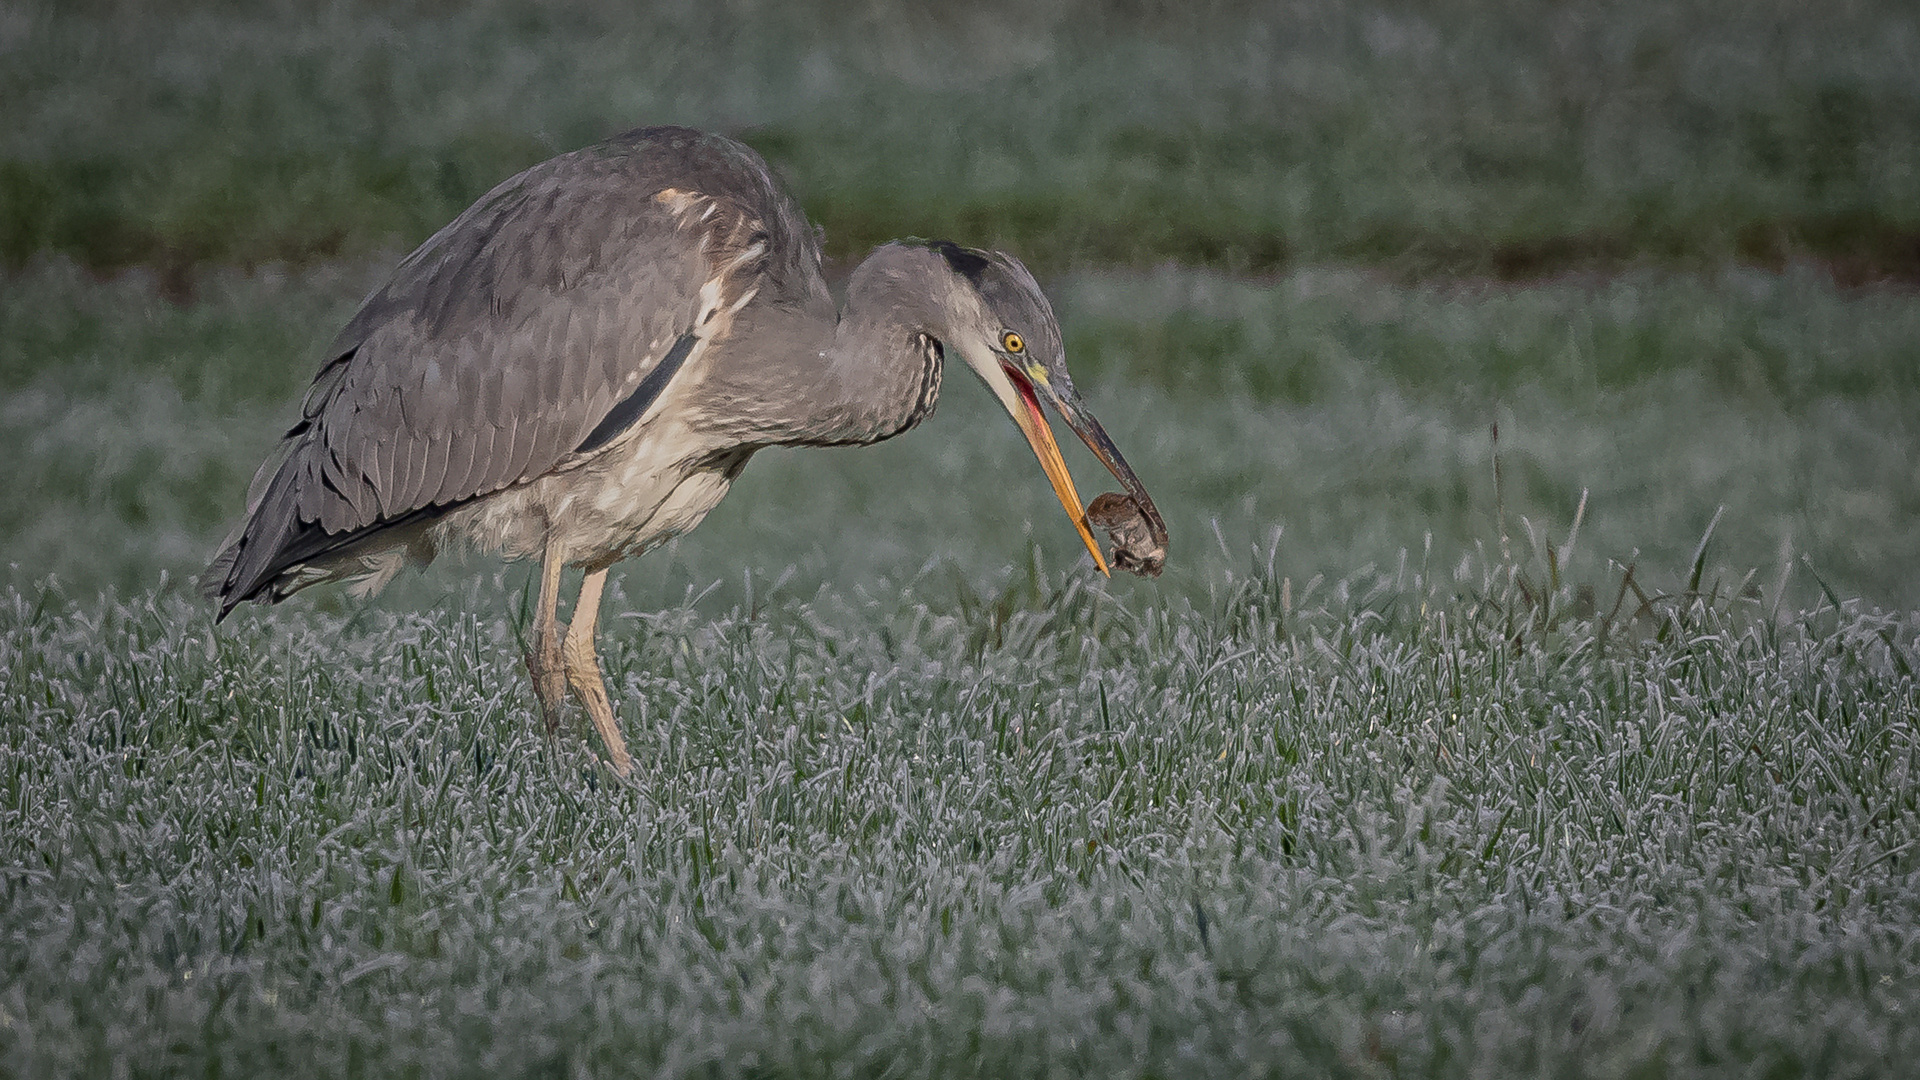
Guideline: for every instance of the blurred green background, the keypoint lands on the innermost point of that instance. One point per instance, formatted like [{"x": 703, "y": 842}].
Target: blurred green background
[{"x": 1305, "y": 254}]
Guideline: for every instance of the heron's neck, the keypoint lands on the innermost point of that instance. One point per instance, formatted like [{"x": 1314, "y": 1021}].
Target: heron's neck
[
  {"x": 886, "y": 358},
  {"x": 868, "y": 375}
]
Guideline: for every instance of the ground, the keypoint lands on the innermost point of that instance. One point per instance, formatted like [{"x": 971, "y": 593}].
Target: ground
[{"x": 1602, "y": 767}]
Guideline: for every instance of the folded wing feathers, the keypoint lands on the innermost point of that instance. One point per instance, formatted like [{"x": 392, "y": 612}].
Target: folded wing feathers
[
  {"x": 354, "y": 500},
  {"x": 461, "y": 459},
  {"x": 496, "y": 349}
]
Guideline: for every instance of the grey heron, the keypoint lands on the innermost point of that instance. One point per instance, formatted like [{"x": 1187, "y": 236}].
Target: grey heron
[{"x": 579, "y": 365}]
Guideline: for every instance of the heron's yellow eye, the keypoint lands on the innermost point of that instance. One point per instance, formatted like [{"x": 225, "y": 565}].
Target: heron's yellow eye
[{"x": 1012, "y": 342}]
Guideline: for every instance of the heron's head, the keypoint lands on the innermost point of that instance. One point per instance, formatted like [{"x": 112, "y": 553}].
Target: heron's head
[{"x": 1004, "y": 328}]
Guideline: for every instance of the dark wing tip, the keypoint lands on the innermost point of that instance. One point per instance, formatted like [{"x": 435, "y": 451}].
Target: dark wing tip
[{"x": 217, "y": 583}]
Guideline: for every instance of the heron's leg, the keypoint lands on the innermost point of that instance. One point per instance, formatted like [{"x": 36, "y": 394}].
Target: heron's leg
[
  {"x": 583, "y": 669},
  {"x": 544, "y": 662}
]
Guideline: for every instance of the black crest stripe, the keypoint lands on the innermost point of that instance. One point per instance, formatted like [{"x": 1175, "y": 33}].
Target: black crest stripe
[{"x": 967, "y": 264}]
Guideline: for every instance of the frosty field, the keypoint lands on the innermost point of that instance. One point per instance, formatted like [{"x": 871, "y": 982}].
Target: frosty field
[
  {"x": 1370, "y": 836},
  {"x": 1606, "y": 768}
]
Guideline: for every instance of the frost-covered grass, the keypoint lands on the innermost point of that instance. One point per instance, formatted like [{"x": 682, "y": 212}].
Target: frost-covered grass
[
  {"x": 1394, "y": 773},
  {"x": 918, "y": 797},
  {"x": 1386, "y": 826}
]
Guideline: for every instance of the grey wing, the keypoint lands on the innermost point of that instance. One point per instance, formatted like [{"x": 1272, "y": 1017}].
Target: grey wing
[{"x": 509, "y": 342}]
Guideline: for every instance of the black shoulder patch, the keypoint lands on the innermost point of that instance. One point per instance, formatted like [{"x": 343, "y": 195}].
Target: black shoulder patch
[
  {"x": 968, "y": 264},
  {"x": 623, "y": 415}
]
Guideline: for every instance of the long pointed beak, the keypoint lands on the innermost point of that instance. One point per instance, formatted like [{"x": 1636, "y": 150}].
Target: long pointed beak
[{"x": 1033, "y": 424}]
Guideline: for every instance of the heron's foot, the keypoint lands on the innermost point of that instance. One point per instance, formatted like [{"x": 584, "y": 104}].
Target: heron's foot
[{"x": 583, "y": 671}]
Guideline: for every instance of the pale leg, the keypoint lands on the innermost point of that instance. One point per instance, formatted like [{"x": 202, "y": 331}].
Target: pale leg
[
  {"x": 583, "y": 669},
  {"x": 544, "y": 661}
]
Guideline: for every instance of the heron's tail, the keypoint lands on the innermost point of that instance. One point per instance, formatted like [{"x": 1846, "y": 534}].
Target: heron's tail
[
  {"x": 278, "y": 549},
  {"x": 215, "y": 579},
  {"x": 253, "y": 562}
]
